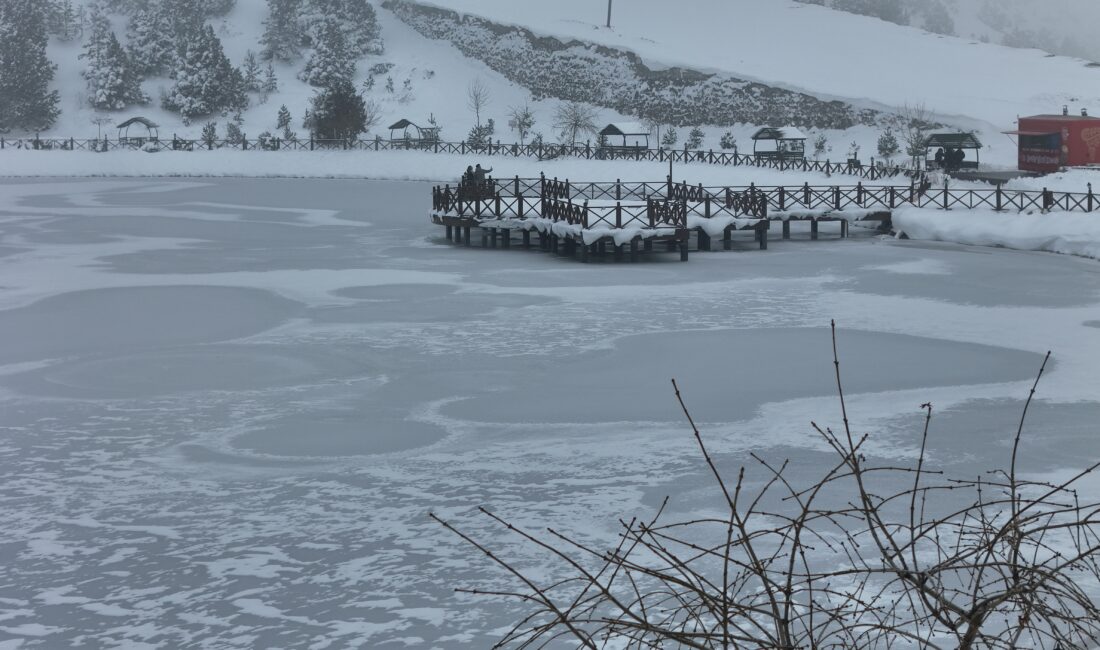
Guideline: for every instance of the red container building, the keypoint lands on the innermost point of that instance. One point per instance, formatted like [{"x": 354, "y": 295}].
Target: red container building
[{"x": 1050, "y": 142}]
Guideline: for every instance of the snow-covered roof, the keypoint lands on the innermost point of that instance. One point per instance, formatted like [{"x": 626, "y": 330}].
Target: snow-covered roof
[
  {"x": 146, "y": 122},
  {"x": 402, "y": 124},
  {"x": 953, "y": 139},
  {"x": 625, "y": 128},
  {"x": 779, "y": 133}
]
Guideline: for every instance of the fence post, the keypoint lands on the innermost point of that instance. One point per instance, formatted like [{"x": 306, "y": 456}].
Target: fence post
[
  {"x": 668, "y": 191},
  {"x": 618, "y": 189},
  {"x": 1000, "y": 205},
  {"x": 515, "y": 186},
  {"x": 244, "y": 141},
  {"x": 946, "y": 187},
  {"x": 618, "y": 214},
  {"x": 311, "y": 142},
  {"x": 806, "y": 196},
  {"x": 1090, "y": 201},
  {"x": 1, "y": 143},
  {"x": 782, "y": 198},
  {"x": 893, "y": 196},
  {"x": 859, "y": 193},
  {"x": 72, "y": 144},
  {"x": 836, "y": 198}
]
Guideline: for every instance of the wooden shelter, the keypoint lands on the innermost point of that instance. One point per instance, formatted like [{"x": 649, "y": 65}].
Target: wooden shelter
[
  {"x": 151, "y": 133},
  {"x": 783, "y": 143},
  {"x": 408, "y": 133},
  {"x": 939, "y": 146},
  {"x": 634, "y": 135}
]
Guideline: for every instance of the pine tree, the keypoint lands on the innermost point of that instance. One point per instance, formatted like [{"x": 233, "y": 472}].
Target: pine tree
[
  {"x": 206, "y": 82},
  {"x": 888, "y": 145},
  {"x": 728, "y": 140},
  {"x": 361, "y": 28},
  {"x": 330, "y": 60},
  {"x": 151, "y": 42},
  {"x": 270, "y": 83},
  {"x": 210, "y": 134},
  {"x": 695, "y": 138},
  {"x": 112, "y": 82},
  {"x": 282, "y": 35},
  {"x": 250, "y": 70},
  {"x": 62, "y": 20},
  {"x": 338, "y": 112},
  {"x": 670, "y": 138},
  {"x": 283, "y": 118},
  {"x": 26, "y": 101},
  {"x": 233, "y": 133}
]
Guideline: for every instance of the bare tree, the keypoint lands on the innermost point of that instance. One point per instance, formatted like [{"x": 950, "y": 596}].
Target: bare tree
[
  {"x": 572, "y": 119},
  {"x": 917, "y": 122},
  {"x": 478, "y": 97},
  {"x": 863, "y": 556},
  {"x": 372, "y": 112}
]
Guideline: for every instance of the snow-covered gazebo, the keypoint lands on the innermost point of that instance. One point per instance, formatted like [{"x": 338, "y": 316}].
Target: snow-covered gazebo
[
  {"x": 633, "y": 134},
  {"x": 408, "y": 132},
  {"x": 151, "y": 133},
  {"x": 784, "y": 143}
]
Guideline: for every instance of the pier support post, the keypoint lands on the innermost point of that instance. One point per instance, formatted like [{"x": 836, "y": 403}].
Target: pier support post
[
  {"x": 505, "y": 238},
  {"x": 786, "y": 229},
  {"x": 763, "y": 239},
  {"x": 684, "y": 250},
  {"x": 554, "y": 244},
  {"x": 485, "y": 238},
  {"x": 585, "y": 251},
  {"x": 703, "y": 239},
  {"x": 527, "y": 239},
  {"x": 727, "y": 238},
  {"x": 634, "y": 250},
  {"x": 450, "y": 233},
  {"x": 619, "y": 252},
  {"x": 844, "y": 229},
  {"x": 466, "y": 235},
  {"x": 648, "y": 245},
  {"x": 813, "y": 228}
]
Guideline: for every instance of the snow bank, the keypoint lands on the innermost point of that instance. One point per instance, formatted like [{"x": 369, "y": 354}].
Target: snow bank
[{"x": 1056, "y": 232}]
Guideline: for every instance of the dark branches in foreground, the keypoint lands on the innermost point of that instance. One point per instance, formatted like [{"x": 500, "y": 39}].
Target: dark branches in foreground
[{"x": 862, "y": 555}]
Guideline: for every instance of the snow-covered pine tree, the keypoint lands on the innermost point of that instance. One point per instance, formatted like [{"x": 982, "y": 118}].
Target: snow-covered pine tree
[
  {"x": 670, "y": 138},
  {"x": 728, "y": 140},
  {"x": 361, "y": 28},
  {"x": 357, "y": 21},
  {"x": 62, "y": 20},
  {"x": 282, "y": 37},
  {"x": 695, "y": 138},
  {"x": 888, "y": 145},
  {"x": 26, "y": 101},
  {"x": 233, "y": 133},
  {"x": 270, "y": 83},
  {"x": 113, "y": 84},
  {"x": 482, "y": 135},
  {"x": 151, "y": 45},
  {"x": 210, "y": 134},
  {"x": 206, "y": 82},
  {"x": 330, "y": 61},
  {"x": 187, "y": 16},
  {"x": 821, "y": 143},
  {"x": 283, "y": 119},
  {"x": 250, "y": 71},
  {"x": 338, "y": 112}
]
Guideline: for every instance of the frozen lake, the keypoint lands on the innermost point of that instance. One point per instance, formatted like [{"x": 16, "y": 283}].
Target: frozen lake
[{"x": 227, "y": 406}]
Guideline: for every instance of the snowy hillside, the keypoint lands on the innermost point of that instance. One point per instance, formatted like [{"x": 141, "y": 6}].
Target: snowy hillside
[{"x": 819, "y": 54}]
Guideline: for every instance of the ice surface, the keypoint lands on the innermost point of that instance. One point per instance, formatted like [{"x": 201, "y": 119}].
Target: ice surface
[{"x": 226, "y": 407}]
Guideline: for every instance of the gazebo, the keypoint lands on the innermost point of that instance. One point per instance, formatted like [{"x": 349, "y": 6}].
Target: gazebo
[
  {"x": 787, "y": 143},
  {"x": 410, "y": 134},
  {"x": 634, "y": 135},
  {"x": 151, "y": 133},
  {"x": 948, "y": 143}
]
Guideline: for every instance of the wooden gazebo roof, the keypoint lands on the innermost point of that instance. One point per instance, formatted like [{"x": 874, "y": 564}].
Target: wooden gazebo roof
[
  {"x": 953, "y": 141},
  {"x": 625, "y": 129},
  {"x": 402, "y": 124},
  {"x": 144, "y": 121},
  {"x": 779, "y": 133}
]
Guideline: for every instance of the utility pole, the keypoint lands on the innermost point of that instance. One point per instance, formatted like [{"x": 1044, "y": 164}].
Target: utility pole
[{"x": 609, "y": 14}]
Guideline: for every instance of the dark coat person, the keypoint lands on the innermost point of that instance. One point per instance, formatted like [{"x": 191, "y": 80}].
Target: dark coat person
[{"x": 479, "y": 174}]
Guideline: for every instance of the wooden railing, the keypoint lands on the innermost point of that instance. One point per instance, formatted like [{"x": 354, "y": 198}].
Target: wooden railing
[
  {"x": 519, "y": 198},
  {"x": 541, "y": 151}
]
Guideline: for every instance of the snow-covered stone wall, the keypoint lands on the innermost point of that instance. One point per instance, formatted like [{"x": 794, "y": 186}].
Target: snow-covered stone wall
[{"x": 585, "y": 72}]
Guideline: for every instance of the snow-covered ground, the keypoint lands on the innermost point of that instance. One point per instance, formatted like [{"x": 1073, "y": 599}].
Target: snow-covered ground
[{"x": 227, "y": 405}]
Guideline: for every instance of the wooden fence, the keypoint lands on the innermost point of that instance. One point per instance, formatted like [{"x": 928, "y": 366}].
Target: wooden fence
[
  {"x": 524, "y": 197},
  {"x": 541, "y": 151}
]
